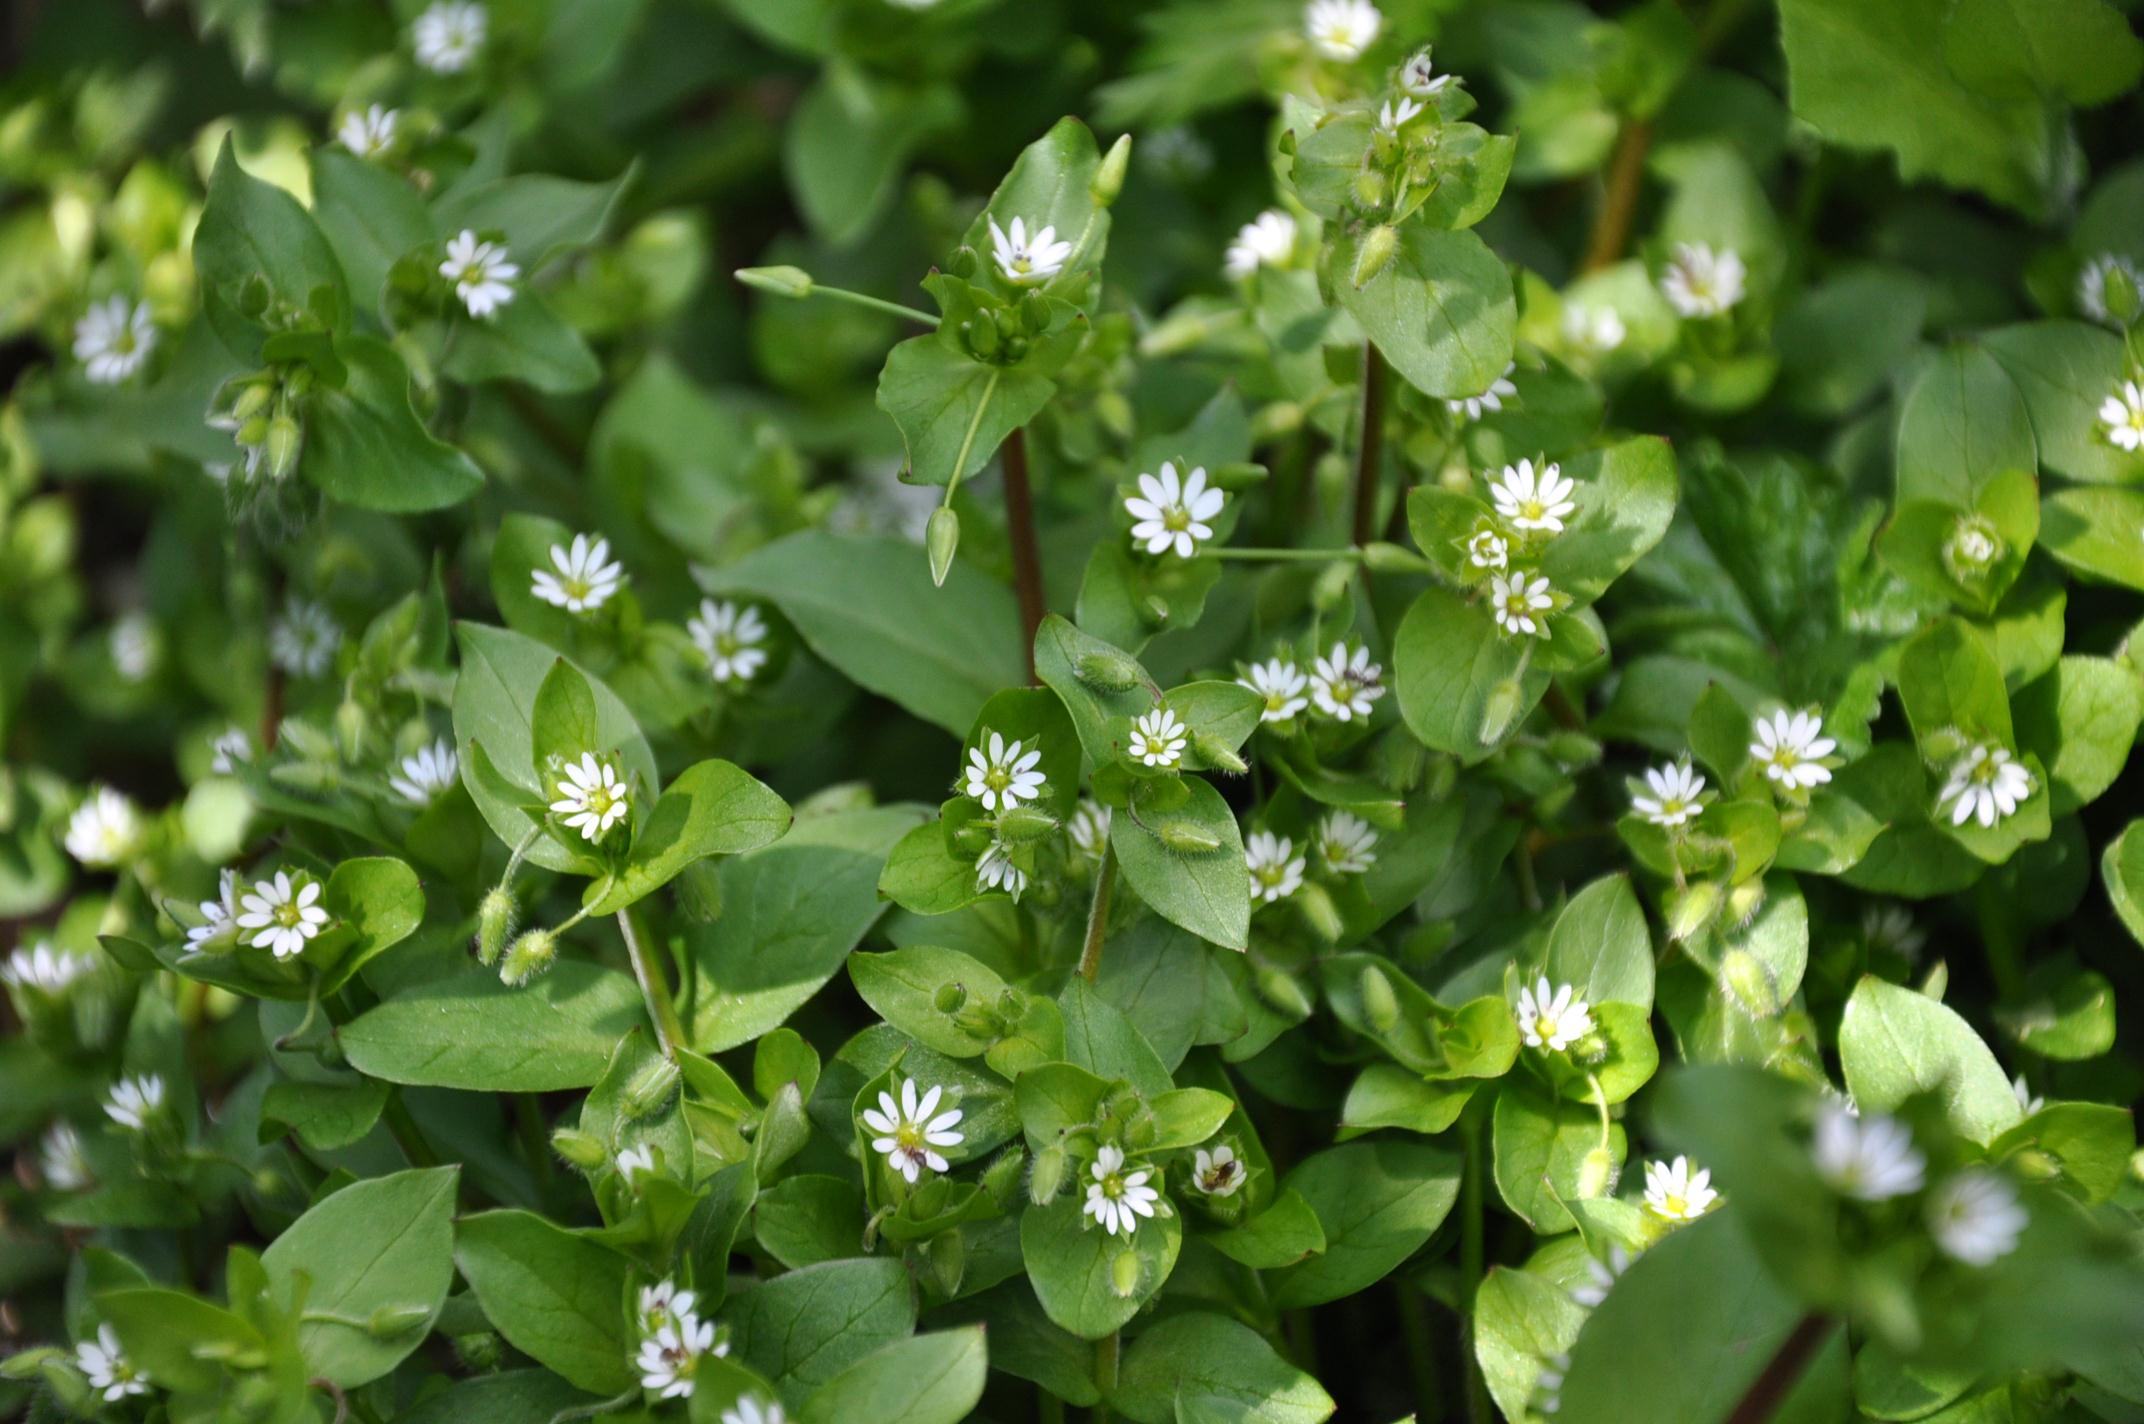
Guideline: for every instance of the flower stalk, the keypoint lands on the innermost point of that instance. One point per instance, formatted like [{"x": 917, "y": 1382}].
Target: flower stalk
[{"x": 669, "y": 1030}]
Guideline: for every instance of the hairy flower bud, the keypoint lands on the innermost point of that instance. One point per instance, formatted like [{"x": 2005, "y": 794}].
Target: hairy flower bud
[
  {"x": 495, "y": 923},
  {"x": 285, "y": 438},
  {"x": 1185, "y": 838},
  {"x": 528, "y": 957},
  {"x": 1002, "y": 1177},
  {"x": 1108, "y": 672},
  {"x": 1379, "y": 1004},
  {"x": 1124, "y": 1273},
  {"x": 1379, "y": 246},
  {"x": 1597, "y": 1173},
  {"x": 1692, "y": 908},
  {"x": 1283, "y": 991},
  {"x": 950, "y": 997},
  {"x": 781, "y": 281},
  {"x": 392, "y": 1320},
  {"x": 1108, "y": 180},
  {"x": 1382, "y": 558},
  {"x": 1048, "y": 1178},
  {"x": 580, "y": 1149},
  {"x": 1748, "y": 980},
  {"x": 1218, "y": 754},
  {"x": 649, "y": 1089},
  {"x": 1315, "y": 904},
  {"x": 1025, "y": 823}
]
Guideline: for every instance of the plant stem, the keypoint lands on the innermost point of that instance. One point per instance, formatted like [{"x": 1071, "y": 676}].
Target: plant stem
[
  {"x": 535, "y": 1142},
  {"x": 877, "y": 304},
  {"x": 1048, "y": 1407},
  {"x": 1626, "y": 176},
  {"x": 1371, "y": 449},
  {"x": 1470, "y": 1271},
  {"x": 1026, "y": 554},
  {"x": 1105, "y": 1372},
  {"x": 407, "y": 1135},
  {"x": 1252, "y": 553},
  {"x": 669, "y": 1032},
  {"x": 1780, "y": 1374},
  {"x": 1421, "y": 1350},
  {"x": 1090, "y": 957}
]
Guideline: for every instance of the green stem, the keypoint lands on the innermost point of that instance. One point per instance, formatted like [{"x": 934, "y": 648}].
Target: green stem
[
  {"x": 1105, "y": 1372},
  {"x": 877, "y": 304},
  {"x": 1026, "y": 551},
  {"x": 1048, "y": 1407},
  {"x": 1251, "y": 553},
  {"x": 1368, "y": 463},
  {"x": 599, "y": 1408},
  {"x": 1421, "y": 1349},
  {"x": 535, "y": 1142},
  {"x": 967, "y": 439},
  {"x": 669, "y": 1031},
  {"x": 1470, "y": 1271},
  {"x": 1090, "y": 958},
  {"x": 407, "y": 1135}
]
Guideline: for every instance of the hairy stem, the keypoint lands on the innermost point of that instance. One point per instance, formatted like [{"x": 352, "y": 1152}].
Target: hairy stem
[
  {"x": 1626, "y": 177},
  {"x": 1370, "y": 452},
  {"x": 1783, "y": 1371},
  {"x": 1105, "y": 1372},
  {"x": 1090, "y": 957},
  {"x": 669, "y": 1032},
  {"x": 1026, "y": 554}
]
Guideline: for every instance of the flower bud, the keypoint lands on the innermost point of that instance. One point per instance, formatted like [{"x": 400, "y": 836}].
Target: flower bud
[
  {"x": 1501, "y": 710},
  {"x": 950, "y": 997},
  {"x": 580, "y": 1149},
  {"x": 1370, "y": 189},
  {"x": 1154, "y": 609},
  {"x": 1315, "y": 904},
  {"x": 2120, "y": 294},
  {"x": 480, "y": 1350},
  {"x": 1108, "y": 672},
  {"x": 1048, "y": 1178},
  {"x": 981, "y": 336},
  {"x": 781, "y": 281},
  {"x": 1184, "y": 838},
  {"x": 252, "y": 400},
  {"x": 1025, "y": 823},
  {"x": 947, "y": 1257},
  {"x": 350, "y": 723},
  {"x": 650, "y": 1088},
  {"x": 1379, "y": 1004},
  {"x": 941, "y": 540},
  {"x": 391, "y": 1320},
  {"x": 1283, "y": 991},
  {"x": 1597, "y": 1173},
  {"x": 494, "y": 923},
  {"x": 1574, "y": 750},
  {"x": 1108, "y": 180},
  {"x": 1218, "y": 754},
  {"x": 974, "y": 838},
  {"x": 1002, "y": 1177},
  {"x": 1748, "y": 980},
  {"x": 284, "y": 439},
  {"x": 963, "y": 262},
  {"x": 1124, "y": 1273},
  {"x": 1331, "y": 588},
  {"x": 1034, "y": 312},
  {"x": 1379, "y": 246},
  {"x": 2036, "y": 1165},
  {"x": 1015, "y": 349},
  {"x": 1743, "y": 902},
  {"x": 1382, "y": 558},
  {"x": 528, "y": 957},
  {"x": 1691, "y": 908}
]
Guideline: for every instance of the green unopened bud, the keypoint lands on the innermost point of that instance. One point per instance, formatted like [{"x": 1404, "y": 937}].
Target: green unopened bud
[
  {"x": 1108, "y": 180},
  {"x": 1743, "y": 902},
  {"x": 580, "y": 1149},
  {"x": 1139, "y": 1127},
  {"x": 285, "y": 436},
  {"x": 981, "y": 336},
  {"x": 1283, "y": 991},
  {"x": 298, "y": 381},
  {"x": 963, "y": 263},
  {"x": 1691, "y": 908},
  {"x": 1218, "y": 754},
  {"x": 1596, "y": 1174},
  {"x": 1748, "y": 980},
  {"x": 950, "y": 997},
  {"x": 1315, "y": 904},
  {"x": 495, "y": 923},
  {"x": 253, "y": 431},
  {"x": 350, "y": 723},
  {"x": 252, "y": 400},
  {"x": 528, "y": 957},
  {"x": 2036, "y": 1165},
  {"x": 1124, "y": 1273},
  {"x": 1501, "y": 709},
  {"x": 1016, "y": 348},
  {"x": 1002, "y": 1177},
  {"x": 1274, "y": 420},
  {"x": 1108, "y": 672},
  {"x": 1370, "y": 189},
  {"x": 481, "y": 1350},
  {"x": 1380, "y": 1006},
  {"x": 2119, "y": 293},
  {"x": 1048, "y": 1178},
  {"x": 392, "y": 1320},
  {"x": 974, "y": 838},
  {"x": 947, "y": 1256},
  {"x": 1034, "y": 314},
  {"x": 2136, "y": 1164},
  {"x": 1025, "y": 823},
  {"x": 1154, "y": 609},
  {"x": 648, "y": 1090},
  {"x": 1185, "y": 838},
  {"x": 1382, "y": 558},
  {"x": 781, "y": 281},
  {"x": 941, "y": 539},
  {"x": 1379, "y": 246},
  {"x": 1574, "y": 750}
]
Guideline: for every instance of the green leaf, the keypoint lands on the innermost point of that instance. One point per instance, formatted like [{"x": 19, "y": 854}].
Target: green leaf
[
  {"x": 806, "y": 1219},
  {"x": 935, "y": 1378},
  {"x": 556, "y": 1296},
  {"x": 2081, "y": 721},
  {"x": 849, "y": 138},
  {"x": 1463, "y": 686},
  {"x": 1100, "y": 1039},
  {"x": 467, "y": 1030},
  {"x": 713, "y": 808},
  {"x": 2121, "y": 869},
  {"x": 1071, "y": 1262},
  {"x": 563, "y": 724},
  {"x": 1378, "y": 1202},
  {"x": 1949, "y": 681},
  {"x": 1099, "y": 708},
  {"x": 1284, "y": 1233},
  {"x": 922, "y": 876},
  {"x": 364, "y": 445},
  {"x": 954, "y": 410},
  {"x": 250, "y": 233},
  {"x": 1894, "y": 1042},
  {"x": 1963, "y": 423},
  {"x": 2079, "y": 50},
  {"x": 1600, "y": 945},
  {"x": 1520, "y": 1323},
  {"x": 1209, "y": 1362},
  {"x": 2089, "y": 532},
  {"x": 378, "y": 900},
  {"x": 804, "y": 1328},
  {"x": 902, "y": 988},
  {"x": 523, "y": 341},
  {"x": 1051, "y": 185},
  {"x": 178, "y": 1340},
  {"x": 510, "y": 1397},
  {"x": 1206, "y": 892},
  {"x": 539, "y": 214},
  {"x": 324, "y": 1115},
  {"x": 372, "y": 218},
  {"x": 1540, "y": 1148},
  {"x": 1441, "y": 311},
  {"x": 2066, "y": 370},
  {"x": 384, "y": 1246}
]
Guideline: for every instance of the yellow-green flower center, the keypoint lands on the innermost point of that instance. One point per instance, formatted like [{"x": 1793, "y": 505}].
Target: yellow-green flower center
[{"x": 1176, "y": 518}]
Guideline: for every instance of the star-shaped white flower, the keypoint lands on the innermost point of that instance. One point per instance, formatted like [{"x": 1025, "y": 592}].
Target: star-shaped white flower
[
  {"x": 1395, "y": 114},
  {"x": 1281, "y": 684},
  {"x": 582, "y": 576},
  {"x": 43, "y": 968},
  {"x": 670, "y": 1357},
  {"x": 113, "y": 338},
  {"x": 748, "y": 1409},
  {"x": 1346, "y": 843},
  {"x": 447, "y": 37},
  {"x": 132, "y": 1102},
  {"x": 1869, "y": 1158},
  {"x": 61, "y": 1161},
  {"x": 1593, "y": 330},
  {"x": 1552, "y": 1016},
  {"x": 1520, "y": 604},
  {"x": 2122, "y": 417},
  {"x": 994, "y": 870},
  {"x": 2092, "y": 286},
  {"x": 482, "y": 273},
  {"x": 1466, "y": 408},
  {"x": 1002, "y": 774},
  {"x": 426, "y": 773},
  {"x": 231, "y": 747},
  {"x": 1088, "y": 830},
  {"x": 303, "y": 641},
  {"x": 280, "y": 915},
  {"x": 1345, "y": 684},
  {"x": 1986, "y": 784},
  {"x": 1027, "y": 261},
  {"x": 1341, "y": 29},
  {"x": 634, "y": 1162},
  {"x": 911, "y": 1132},
  {"x": 104, "y": 1364},
  {"x": 592, "y": 797},
  {"x": 1975, "y": 1217},
  {"x": 1675, "y": 789},
  {"x": 1276, "y": 870},
  {"x": 1674, "y": 1191},
  {"x": 1219, "y": 1173},
  {"x": 1169, "y": 513},
  {"x": 1699, "y": 282},
  {"x": 1266, "y": 241},
  {"x": 1601, "y": 1276},
  {"x": 1420, "y": 78},
  {"x": 1789, "y": 748},
  {"x": 1158, "y": 738},
  {"x": 1117, "y": 1198},
  {"x": 1535, "y": 502},
  {"x": 729, "y": 637},
  {"x": 663, "y": 1304},
  {"x": 219, "y": 917},
  {"x": 1487, "y": 549},
  {"x": 105, "y": 830},
  {"x": 369, "y": 132}
]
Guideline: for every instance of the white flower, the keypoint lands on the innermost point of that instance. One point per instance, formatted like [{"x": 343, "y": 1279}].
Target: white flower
[
  {"x": 1487, "y": 549},
  {"x": 427, "y": 773},
  {"x": 632, "y": 1162},
  {"x": 1219, "y": 1173},
  {"x": 1987, "y": 784},
  {"x": 1674, "y": 1191},
  {"x": 219, "y": 917},
  {"x": 1158, "y": 738},
  {"x": 1117, "y": 1198},
  {"x": 1553, "y": 1017},
  {"x": 1266, "y": 241},
  {"x": 1500, "y": 390},
  {"x": 1891, "y": 927},
  {"x": 1534, "y": 502},
  {"x": 2122, "y": 413},
  {"x": 134, "y": 645},
  {"x": 447, "y": 37},
  {"x": 482, "y": 273},
  {"x": 105, "y": 1366},
  {"x": 231, "y": 747},
  {"x": 61, "y": 1161},
  {"x": 1548, "y": 1385},
  {"x": 1341, "y": 29},
  {"x": 303, "y": 641},
  {"x": 1975, "y": 1217},
  {"x": 1025, "y": 261},
  {"x": 994, "y": 870},
  {"x": 729, "y": 637},
  {"x": 44, "y": 968},
  {"x": 1420, "y": 78},
  {"x": 2092, "y": 286},
  {"x": 133, "y": 1101},
  {"x": 671, "y": 1356},
  {"x": 1601, "y": 1276},
  {"x": 1088, "y": 829},
  {"x": 1788, "y": 749},
  {"x": 1005, "y": 776},
  {"x": 1345, "y": 683},
  {"x": 1871, "y": 1158},
  {"x": 2028, "y": 1102},
  {"x": 1276, "y": 870},
  {"x": 1594, "y": 330},
  {"x": 1344, "y": 843},
  {"x": 748, "y": 1409},
  {"x": 283, "y": 916},
  {"x": 1281, "y": 684},
  {"x": 592, "y": 797},
  {"x": 664, "y": 1304},
  {"x": 1520, "y": 604},
  {"x": 113, "y": 339},
  {"x": 1171, "y": 514},
  {"x": 1675, "y": 789},
  {"x": 1699, "y": 282},
  {"x": 581, "y": 577},
  {"x": 908, "y": 1135},
  {"x": 104, "y": 831},
  {"x": 1394, "y": 115},
  {"x": 1972, "y": 549},
  {"x": 370, "y": 132}
]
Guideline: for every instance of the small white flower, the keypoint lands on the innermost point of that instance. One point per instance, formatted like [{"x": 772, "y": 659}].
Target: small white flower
[
  {"x": 592, "y": 797},
  {"x": 748, "y": 1409},
  {"x": 2092, "y": 286},
  {"x": 729, "y": 637},
  {"x": 994, "y": 870},
  {"x": 1520, "y": 604},
  {"x": 105, "y": 1366},
  {"x": 1344, "y": 684},
  {"x": 2028, "y": 1102},
  {"x": 1342, "y": 29},
  {"x": 219, "y": 917},
  {"x": 1674, "y": 1191},
  {"x": 446, "y": 37},
  {"x": 1117, "y": 1198},
  {"x": 671, "y": 1356},
  {"x": 1345, "y": 843},
  {"x": 1975, "y": 1217},
  {"x": 1986, "y": 784},
  {"x": 231, "y": 747},
  {"x": 1487, "y": 549},
  {"x": 2122, "y": 413},
  {"x": 1276, "y": 870},
  {"x": 427, "y": 773},
  {"x": 633, "y": 1162},
  {"x": 1788, "y": 748},
  {"x": 1548, "y": 1385},
  {"x": 1593, "y": 330},
  {"x": 1601, "y": 1276},
  {"x": 113, "y": 339},
  {"x": 1699, "y": 282},
  {"x": 1005, "y": 776},
  {"x": 1395, "y": 114},
  {"x": 134, "y": 646},
  {"x": 664, "y": 1304},
  {"x": 1553, "y": 1017},
  {"x": 104, "y": 831},
  {"x": 1420, "y": 78},
  {"x": 1025, "y": 261},
  {"x": 582, "y": 576},
  {"x": 303, "y": 641},
  {"x": 1266, "y": 241},
  {"x": 1088, "y": 830},
  {"x": 1537, "y": 503},
  {"x": 1972, "y": 549},
  {"x": 909, "y": 1136},
  {"x": 44, "y": 968},
  {"x": 1501, "y": 389},
  {"x": 1869, "y": 1158},
  {"x": 61, "y": 1161},
  {"x": 1219, "y": 1173},
  {"x": 1281, "y": 684},
  {"x": 1891, "y": 927},
  {"x": 1675, "y": 789},
  {"x": 281, "y": 914},
  {"x": 1172, "y": 514},
  {"x": 132, "y": 1102},
  {"x": 482, "y": 273},
  {"x": 1158, "y": 738},
  {"x": 369, "y": 132}
]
